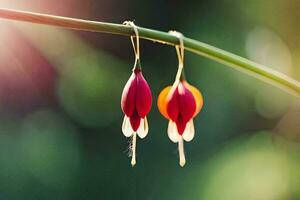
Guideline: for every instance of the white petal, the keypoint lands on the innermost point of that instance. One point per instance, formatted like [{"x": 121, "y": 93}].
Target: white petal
[
  {"x": 189, "y": 131},
  {"x": 172, "y": 132},
  {"x": 126, "y": 127},
  {"x": 143, "y": 129}
]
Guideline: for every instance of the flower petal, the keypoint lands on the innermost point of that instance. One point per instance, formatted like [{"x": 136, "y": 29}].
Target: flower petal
[
  {"x": 180, "y": 124},
  {"x": 162, "y": 101},
  {"x": 172, "y": 132},
  {"x": 143, "y": 129},
  {"x": 187, "y": 103},
  {"x": 197, "y": 96},
  {"x": 143, "y": 95},
  {"x": 129, "y": 96},
  {"x": 173, "y": 105},
  {"x": 135, "y": 121},
  {"x": 189, "y": 131},
  {"x": 126, "y": 127}
]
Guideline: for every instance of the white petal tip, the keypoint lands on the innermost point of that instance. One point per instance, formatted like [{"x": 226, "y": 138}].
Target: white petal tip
[
  {"x": 133, "y": 150},
  {"x": 143, "y": 129},
  {"x": 133, "y": 163},
  {"x": 182, "y": 163},
  {"x": 126, "y": 127},
  {"x": 181, "y": 152},
  {"x": 189, "y": 131},
  {"x": 172, "y": 132}
]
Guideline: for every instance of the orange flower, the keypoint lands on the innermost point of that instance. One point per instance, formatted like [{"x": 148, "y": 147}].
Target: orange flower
[{"x": 180, "y": 103}]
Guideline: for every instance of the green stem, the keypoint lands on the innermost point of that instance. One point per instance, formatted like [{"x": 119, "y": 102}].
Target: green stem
[{"x": 251, "y": 68}]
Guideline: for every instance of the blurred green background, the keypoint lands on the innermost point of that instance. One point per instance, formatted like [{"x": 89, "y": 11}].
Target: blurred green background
[{"x": 60, "y": 116}]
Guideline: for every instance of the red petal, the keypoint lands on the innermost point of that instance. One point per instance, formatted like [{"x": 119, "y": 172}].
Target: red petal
[
  {"x": 143, "y": 95},
  {"x": 128, "y": 96},
  {"x": 135, "y": 121},
  {"x": 180, "y": 125},
  {"x": 173, "y": 105},
  {"x": 181, "y": 107},
  {"x": 187, "y": 103}
]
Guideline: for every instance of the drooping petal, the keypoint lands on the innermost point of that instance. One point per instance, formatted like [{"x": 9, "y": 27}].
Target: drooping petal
[
  {"x": 172, "y": 132},
  {"x": 126, "y": 127},
  {"x": 162, "y": 101},
  {"x": 180, "y": 124},
  {"x": 187, "y": 103},
  {"x": 128, "y": 100},
  {"x": 173, "y": 105},
  {"x": 197, "y": 96},
  {"x": 135, "y": 121},
  {"x": 143, "y": 95},
  {"x": 143, "y": 129},
  {"x": 189, "y": 131}
]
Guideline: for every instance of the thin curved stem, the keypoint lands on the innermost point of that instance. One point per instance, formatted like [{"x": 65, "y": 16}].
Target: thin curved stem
[{"x": 267, "y": 74}]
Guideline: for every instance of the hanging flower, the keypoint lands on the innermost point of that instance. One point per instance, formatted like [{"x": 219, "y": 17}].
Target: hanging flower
[
  {"x": 180, "y": 103},
  {"x": 136, "y": 103}
]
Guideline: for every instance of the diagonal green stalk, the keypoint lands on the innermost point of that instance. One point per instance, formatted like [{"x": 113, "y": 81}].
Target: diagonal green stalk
[{"x": 267, "y": 74}]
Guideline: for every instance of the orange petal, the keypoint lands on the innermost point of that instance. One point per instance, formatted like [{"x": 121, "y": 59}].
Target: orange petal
[
  {"x": 162, "y": 101},
  {"x": 197, "y": 95}
]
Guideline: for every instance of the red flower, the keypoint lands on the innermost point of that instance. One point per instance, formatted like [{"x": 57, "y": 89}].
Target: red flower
[
  {"x": 136, "y": 103},
  {"x": 180, "y": 104}
]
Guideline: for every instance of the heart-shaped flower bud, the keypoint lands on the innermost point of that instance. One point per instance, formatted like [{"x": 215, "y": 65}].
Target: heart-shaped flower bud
[
  {"x": 136, "y": 103},
  {"x": 136, "y": 95},
  {"x": 181, "y": 106},
  {"x": 180, "y": 103}
]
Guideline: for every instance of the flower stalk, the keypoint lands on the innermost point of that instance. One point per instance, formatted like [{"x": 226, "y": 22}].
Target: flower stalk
[{"x": 256, "y": 70}]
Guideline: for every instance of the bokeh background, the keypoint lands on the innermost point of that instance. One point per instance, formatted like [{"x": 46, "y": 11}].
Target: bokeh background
[{"x": 60, "y": 116}]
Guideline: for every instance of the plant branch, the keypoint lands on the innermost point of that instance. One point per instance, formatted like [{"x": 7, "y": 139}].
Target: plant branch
[{"x": 267, "y": 74}]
